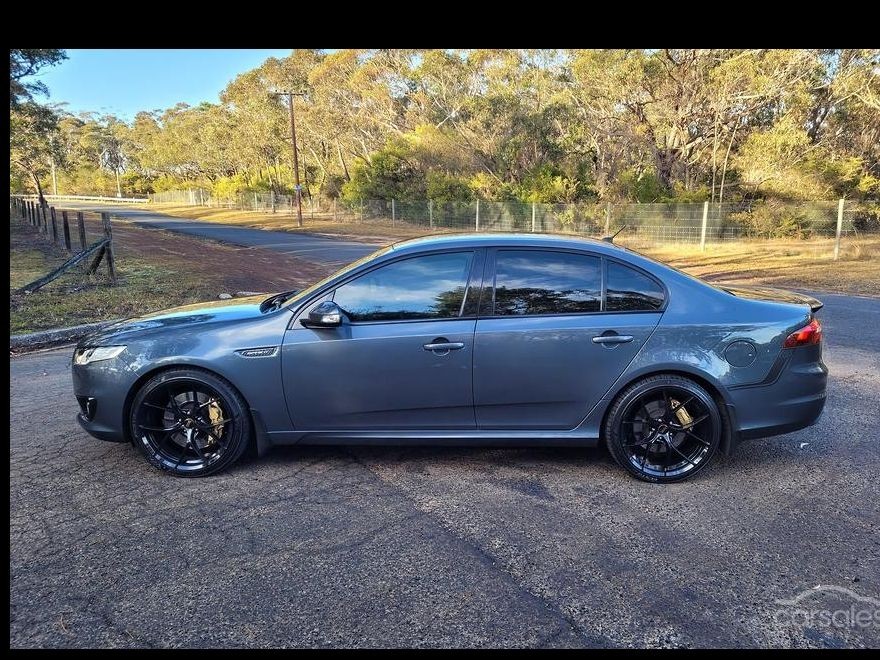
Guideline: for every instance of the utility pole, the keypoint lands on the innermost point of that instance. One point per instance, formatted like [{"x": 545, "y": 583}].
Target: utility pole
[{"x": 298, "y": 187}]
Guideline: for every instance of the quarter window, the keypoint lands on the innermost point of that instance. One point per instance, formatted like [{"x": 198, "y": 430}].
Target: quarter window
[
  {"x": 427, "y": 287},
  {"x": 631, "y": 291},
  {"x": 531, "y": 282}
]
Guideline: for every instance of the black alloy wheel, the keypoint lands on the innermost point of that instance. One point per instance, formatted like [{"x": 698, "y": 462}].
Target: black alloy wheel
[
  {"x": 664, "y": 428},
  {"x": 190, "y": 422}
]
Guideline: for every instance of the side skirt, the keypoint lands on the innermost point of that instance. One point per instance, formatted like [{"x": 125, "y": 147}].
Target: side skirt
[{"x": 435, "y": 438}]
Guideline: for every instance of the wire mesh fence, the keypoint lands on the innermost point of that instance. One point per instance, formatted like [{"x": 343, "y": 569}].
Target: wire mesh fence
[{"x": 665, "y": 223}]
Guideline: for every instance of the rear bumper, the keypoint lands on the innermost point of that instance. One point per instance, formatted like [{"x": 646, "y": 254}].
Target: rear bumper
[{"x": 793, "y": 401}]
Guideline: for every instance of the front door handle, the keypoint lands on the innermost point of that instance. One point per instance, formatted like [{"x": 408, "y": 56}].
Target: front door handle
[
  {"x": 612, "y": 339},
  {"x": 441, "y": 347}
]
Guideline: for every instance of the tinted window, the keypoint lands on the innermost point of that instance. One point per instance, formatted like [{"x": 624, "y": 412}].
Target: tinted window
[
  {"x": 428, "y": 287},
  {"x": 534, "y": 282},
  {"x": 630, "y": 290}
]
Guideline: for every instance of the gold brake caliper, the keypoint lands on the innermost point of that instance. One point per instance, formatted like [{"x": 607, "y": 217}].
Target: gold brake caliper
[
  {"x": 683, "y": 415},
  {"x": 215, "y": 414}
]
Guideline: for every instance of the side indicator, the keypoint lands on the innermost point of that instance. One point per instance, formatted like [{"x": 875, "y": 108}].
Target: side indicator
[{"x": 262, "y": 352}]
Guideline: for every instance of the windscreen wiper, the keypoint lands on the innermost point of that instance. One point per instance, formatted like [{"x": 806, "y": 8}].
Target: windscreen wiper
[{"x": 275, "y": 302}]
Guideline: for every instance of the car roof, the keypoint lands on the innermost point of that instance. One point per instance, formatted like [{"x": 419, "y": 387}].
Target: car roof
[{"x": 506, "y": 240}]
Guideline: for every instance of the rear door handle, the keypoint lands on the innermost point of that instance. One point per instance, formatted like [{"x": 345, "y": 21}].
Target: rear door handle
[
  {"x": 443, "y": 347},
  {"x": 612, "y": 339}
]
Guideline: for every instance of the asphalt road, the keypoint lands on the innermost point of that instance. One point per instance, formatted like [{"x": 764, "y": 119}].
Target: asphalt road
[
  {"x": 446, "y": 547},
  {"x": 317, "y": 248}
]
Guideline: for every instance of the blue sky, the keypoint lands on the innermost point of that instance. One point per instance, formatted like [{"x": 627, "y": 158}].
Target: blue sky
[{"x": 124, "y": 82}]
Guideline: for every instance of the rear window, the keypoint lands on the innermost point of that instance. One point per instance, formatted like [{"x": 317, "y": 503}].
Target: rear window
[
  {"x": 532, "y": 282},
  {"x": 628, "y": 290}
]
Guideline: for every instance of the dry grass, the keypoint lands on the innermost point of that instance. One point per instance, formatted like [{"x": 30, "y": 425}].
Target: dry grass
[
  {"x": 284, "y": 220},
  {"x": 156, "y": 270},
  {"x": 787, "y": 263},
  {"x": 159, "y": 270}
]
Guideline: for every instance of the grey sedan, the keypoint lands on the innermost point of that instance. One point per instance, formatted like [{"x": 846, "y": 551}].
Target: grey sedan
[{"x": 465, "y": 339}]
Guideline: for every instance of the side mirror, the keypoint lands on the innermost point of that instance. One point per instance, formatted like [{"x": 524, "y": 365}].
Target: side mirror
[{"x": 326, "y": 315}]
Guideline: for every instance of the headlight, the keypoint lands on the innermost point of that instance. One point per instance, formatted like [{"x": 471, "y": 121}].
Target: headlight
[{"x": 88, "y": 355}]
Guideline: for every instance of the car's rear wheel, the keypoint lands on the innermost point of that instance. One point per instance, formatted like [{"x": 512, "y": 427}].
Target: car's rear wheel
[
  {"x": 190, "y": 422},
  {"x": 663, "y": 428}
]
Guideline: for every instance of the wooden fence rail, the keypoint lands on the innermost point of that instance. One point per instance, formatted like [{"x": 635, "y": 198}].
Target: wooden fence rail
[{"x": 42, "y": 215}]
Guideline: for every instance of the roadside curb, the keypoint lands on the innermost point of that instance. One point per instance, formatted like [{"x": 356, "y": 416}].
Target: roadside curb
[{"x": 54, "y": 337}]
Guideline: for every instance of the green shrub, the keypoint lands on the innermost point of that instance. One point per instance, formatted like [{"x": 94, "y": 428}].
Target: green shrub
[{"x": 442, "y": 187}]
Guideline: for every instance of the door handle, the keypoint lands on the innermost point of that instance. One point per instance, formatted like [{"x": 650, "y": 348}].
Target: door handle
[
  {"x": 443, "y": 347},
  {"x": 612, "y": 339}
]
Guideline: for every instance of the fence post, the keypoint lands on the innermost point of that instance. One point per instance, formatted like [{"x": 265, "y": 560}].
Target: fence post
[
  {"x": 393, "y": 211},
  {"x": 477, "y": 218},
  {"x": 108, "y": 234},
  {"x": 431, "y": 213},
  {"x": 65, "y": 225},
  {"x": 534, "y": 215},
  {"x": 273, "y": 200},
  {"x": 703, "y": 231},
  {"x": 54, "y": 225},
  {"x": 362, "y": 210},
  {"x": 839, "y": 229},
  {"x": 80, "y": 221},
  {"x": 608, "y": 219}
]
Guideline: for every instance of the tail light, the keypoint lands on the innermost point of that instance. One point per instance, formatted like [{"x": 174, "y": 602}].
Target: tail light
[{"x": 809, "y": 334}]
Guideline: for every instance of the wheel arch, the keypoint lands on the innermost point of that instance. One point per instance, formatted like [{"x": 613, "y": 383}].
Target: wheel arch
[
  {"x": 704, "y": 380},
  {"x": 261, "y": 442}
]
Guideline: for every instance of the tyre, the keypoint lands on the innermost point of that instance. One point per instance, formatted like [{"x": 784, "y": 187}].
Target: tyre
[
  {"x": 663, "y": 428},
  {"x": 190, "y": 422}
]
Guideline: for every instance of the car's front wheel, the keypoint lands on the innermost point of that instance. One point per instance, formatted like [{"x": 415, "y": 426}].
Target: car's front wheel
[
  {"x": 189, "y": 422},
  {"x": 663, "y": 428}
]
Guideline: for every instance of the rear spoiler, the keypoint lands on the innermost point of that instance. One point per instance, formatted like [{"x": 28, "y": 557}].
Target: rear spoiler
[
  {"x": 775, "y": 295},
  {"x": 815, "y": 305}
]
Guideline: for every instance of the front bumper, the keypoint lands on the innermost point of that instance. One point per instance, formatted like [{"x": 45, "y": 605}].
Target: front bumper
[
  {"x": 100, "y": 431},
  {"x": 107, "y": 384}
]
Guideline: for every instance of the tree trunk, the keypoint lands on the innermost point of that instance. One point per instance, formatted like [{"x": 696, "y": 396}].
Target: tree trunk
[
  {"x": 118, "y": 187},
  {"x": 323, "y": 171},
  {"x": 714, "y": 155},
  {"x": 342, "y": 161},
  {"x": 40, "y": 198},
  {"x": 724, "y": 168},
  {"x": 665, "y": 159}
]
